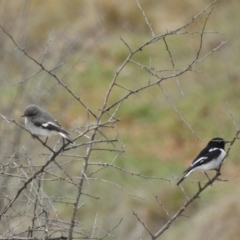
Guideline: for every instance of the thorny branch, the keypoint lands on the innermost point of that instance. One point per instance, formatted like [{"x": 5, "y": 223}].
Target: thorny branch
[
  {"x": 32, "y": 177},
  {"x": 179, "y": 213},
  {"x": 176, "y": 74}
]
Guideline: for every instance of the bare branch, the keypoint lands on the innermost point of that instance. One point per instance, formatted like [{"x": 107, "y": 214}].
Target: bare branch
[
  {"x": 144, "y": 225},
  {"x": 194, "y": 197},
  {"x": 146, "y": 19}
]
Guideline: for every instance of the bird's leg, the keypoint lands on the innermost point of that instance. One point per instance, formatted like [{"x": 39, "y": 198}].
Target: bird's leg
[
  {"x": 208, "y": 177},
  {"x": 63, "y": 142},
  {"x": 34, "y": 136},
  {"x": 218, "y": 172},
  {"x": 46, "y": 140}
]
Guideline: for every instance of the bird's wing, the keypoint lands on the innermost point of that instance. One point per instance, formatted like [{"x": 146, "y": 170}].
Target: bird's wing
[
  {"x": 50, "y": 125},
  {"x": 204, "y": 157}
]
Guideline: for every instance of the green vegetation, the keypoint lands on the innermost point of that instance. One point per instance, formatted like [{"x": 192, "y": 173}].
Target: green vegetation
[{"x": 157, "y": 142}]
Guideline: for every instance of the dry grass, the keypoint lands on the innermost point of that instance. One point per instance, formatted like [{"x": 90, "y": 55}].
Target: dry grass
[{"x": 86, "y": 36}]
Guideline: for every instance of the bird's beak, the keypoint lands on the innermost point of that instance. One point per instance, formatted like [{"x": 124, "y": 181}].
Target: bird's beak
[
  {"x": 23, "y": 116},
  {"x": 227, "y": 141}
]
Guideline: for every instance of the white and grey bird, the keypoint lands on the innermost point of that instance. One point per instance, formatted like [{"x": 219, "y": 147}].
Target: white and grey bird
[
  {"x": 42, "y": 123},
  {"x": 210, "y": 158}
]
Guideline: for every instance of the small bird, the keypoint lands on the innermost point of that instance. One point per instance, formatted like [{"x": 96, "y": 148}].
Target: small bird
[
  {"x": 210, "y": 158},
  {"x": 41, "y": 123}
]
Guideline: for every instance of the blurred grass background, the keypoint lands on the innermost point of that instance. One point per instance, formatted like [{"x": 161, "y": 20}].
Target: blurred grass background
[{"x": 86, "y": 36}]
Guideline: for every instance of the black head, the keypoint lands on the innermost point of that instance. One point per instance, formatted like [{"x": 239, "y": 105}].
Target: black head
[
  {"x": 31, "y": 111},
  {"x": 217, "y": 143}
]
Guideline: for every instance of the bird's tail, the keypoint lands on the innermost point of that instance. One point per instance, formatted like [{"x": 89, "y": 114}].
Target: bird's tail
[
  {"x": 185, "y": 174},
  {"x": 182, "y": 178},
  {"x": 67, "y": 138}
]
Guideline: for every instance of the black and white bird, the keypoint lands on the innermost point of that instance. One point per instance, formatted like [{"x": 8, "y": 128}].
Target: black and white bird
[
  {"x": 42, "y": 123},
  {"x": 210, "y": 158}
]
